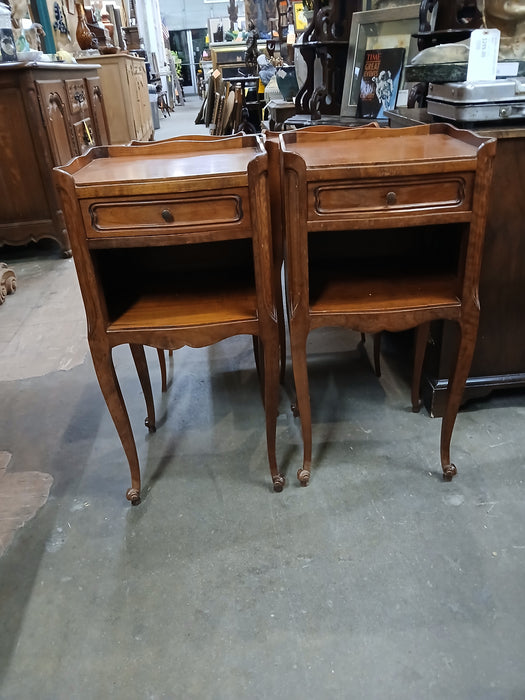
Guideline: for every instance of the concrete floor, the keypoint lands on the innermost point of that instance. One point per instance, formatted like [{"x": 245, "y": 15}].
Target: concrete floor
[{"x": 378, "y": 581}]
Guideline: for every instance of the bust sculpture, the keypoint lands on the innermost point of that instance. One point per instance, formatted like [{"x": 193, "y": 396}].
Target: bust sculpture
[
  {"x": 509, "y": 17},
  {"x": 506, "y": 15}
]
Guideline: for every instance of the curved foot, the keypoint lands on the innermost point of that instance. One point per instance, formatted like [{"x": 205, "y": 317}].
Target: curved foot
[
  {"x": 67, "y": 253},
  {"x": 133, "y": 495},
  {"x": 295, "y": 410},
  {"x": 152, "y": 428},
  {"x": 449, "y": 471},
  {"x": 304, "y": 476},
  {"x": 278, "y": 483}
]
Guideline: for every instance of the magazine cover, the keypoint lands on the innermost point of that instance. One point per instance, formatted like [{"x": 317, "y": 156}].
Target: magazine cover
[{"x": 379, "y": 82}]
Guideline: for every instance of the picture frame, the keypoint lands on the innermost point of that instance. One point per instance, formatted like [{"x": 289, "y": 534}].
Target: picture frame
[
  {"x": 377, "y": 29},
  {"x": 299, "y": 20}
]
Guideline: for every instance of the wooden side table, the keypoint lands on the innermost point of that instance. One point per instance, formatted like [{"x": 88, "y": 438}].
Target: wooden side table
[
  {"x": 384, "y": 231},
  {"x": 172, "y": 245}
]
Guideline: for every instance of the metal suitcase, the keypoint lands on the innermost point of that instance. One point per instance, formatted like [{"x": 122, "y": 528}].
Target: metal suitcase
[{"x": 484, "y": 100}]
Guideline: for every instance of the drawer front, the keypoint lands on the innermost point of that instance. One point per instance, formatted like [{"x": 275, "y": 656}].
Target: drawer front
[
  {"x": 392, "y": 196},
  {"x": 183, "y": 214}
]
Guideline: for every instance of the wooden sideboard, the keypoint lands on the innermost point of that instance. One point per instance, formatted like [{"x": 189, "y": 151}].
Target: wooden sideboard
[
  {"x": 124, "y": 82},
  {"x": 499, "y": 357},
  {"x": 49, "y": 113}
]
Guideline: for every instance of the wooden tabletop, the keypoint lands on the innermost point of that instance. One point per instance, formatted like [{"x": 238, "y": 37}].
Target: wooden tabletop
[
  {"x": 373, "y": 147},
  {"x": 139, "y": 167}
]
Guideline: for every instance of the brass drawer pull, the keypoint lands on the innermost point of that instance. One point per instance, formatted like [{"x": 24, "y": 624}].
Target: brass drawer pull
[
  {"x": 391, "y": 198},
  {"x": 167, "y": 216}
]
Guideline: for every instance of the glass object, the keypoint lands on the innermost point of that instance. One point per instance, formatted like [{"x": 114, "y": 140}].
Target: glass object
[{"x": 83, "y": 34}]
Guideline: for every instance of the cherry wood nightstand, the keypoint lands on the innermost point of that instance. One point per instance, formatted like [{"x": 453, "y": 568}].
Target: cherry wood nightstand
[
  {"x": 384, "y": 231},
  {"x": 172, "y": 245}
]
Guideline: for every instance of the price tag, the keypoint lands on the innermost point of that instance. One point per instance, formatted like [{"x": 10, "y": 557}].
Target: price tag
[{"x": 483, "y": 54}]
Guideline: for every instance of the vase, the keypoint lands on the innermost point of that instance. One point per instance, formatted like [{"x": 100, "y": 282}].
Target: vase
[
  {"x": 83, "y": 34},
  {"x": 287, "y": 82}
]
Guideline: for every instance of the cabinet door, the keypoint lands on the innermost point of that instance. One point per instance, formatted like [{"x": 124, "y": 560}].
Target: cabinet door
[
  {"x": 98, "y": 111},
  {"x": 81, "y": 117},
  {"x": 53, "y": 103},
  {"x": 22, "y": 192},
  {"x": 77, "y": 97},
  {"x": 139, "y": 99}
]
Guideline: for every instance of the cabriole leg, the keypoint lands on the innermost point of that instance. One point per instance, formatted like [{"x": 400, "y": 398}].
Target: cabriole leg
[
  {"x": 141, "y": 365},
  {"x": 300, "y": 373},
  {"x": 107, "y": 379}
]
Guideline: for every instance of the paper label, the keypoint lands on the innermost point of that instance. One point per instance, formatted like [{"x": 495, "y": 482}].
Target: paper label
[
  {"x": 508, "y": 69},
  {"x": 483, "y": 54}
]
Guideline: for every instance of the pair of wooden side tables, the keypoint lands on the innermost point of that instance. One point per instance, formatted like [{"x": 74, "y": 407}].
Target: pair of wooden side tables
[{"x": 181, "y": 242}]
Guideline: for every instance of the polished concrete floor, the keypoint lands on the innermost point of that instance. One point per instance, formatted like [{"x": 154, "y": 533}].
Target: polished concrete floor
[{"x": 378, "y": 581}]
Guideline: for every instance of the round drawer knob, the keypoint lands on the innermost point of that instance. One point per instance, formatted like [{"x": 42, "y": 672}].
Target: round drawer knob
[
  {"x": 167, "y": 216},
  {"x": 391, "y": 198}
]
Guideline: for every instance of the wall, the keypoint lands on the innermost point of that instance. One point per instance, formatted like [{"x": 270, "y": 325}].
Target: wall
[{"x": 193, "y": 14}]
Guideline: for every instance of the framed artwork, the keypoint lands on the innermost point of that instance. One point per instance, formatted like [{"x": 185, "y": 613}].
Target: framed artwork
[
  {"x": 299, "y": 20},
  {"x": 377, "y": 29}
]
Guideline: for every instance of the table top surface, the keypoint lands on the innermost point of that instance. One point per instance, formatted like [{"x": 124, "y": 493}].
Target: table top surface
[
  {"x": 181, "y": 160},
  {"x": 374, "y": 147}
]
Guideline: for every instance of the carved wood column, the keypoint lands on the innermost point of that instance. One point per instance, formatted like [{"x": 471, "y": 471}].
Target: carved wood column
[{"x": 326, "y": 41}]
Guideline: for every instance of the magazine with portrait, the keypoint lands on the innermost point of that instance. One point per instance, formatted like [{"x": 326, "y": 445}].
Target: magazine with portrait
[{"x": 379, "y": 82}]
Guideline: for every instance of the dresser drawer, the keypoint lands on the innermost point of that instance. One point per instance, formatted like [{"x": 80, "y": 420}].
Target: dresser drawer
[
  {"x": 380, "y": 197},
  {"x": 181, "y": 214}
]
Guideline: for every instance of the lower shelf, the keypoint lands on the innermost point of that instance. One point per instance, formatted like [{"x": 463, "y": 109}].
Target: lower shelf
[
  {"x": 337, "y": 291},
  {"x": 203, "y": 302}
]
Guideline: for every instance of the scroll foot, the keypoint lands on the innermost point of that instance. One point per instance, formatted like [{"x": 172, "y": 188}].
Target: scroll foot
[
  {"x": 304, "y": 476},
  {"x": 152, "y": 428},
  {"x": 133, "y": 495},
  {"x": 449, "y": 471},
  {"x": 278, "y": 483}
]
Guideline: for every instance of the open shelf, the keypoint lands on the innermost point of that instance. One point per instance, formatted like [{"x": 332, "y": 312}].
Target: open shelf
[
  {"x": 188, "y": 285},
  {"x": 417, "y": 268}
]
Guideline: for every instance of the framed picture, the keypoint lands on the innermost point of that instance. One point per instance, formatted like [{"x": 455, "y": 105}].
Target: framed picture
[
  {"x": 377, "y": 29},
  {"x": 299, "y": 20}
]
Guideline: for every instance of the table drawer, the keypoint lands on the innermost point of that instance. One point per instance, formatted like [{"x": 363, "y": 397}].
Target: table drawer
[
  {"x": 171, "y": 215},
  {"x": 400, "y": 195}
]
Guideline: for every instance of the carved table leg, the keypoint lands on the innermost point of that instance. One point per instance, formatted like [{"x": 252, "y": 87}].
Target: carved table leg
[
  {"x": 456, "y": 386},
  {"x": 139, "y": 358},
  {"x": 300, "y": 373},
  {"x": 163, "y": 375},
  {"x": 269, "y": 356},
  {"x": 422, "y": 333},
  {"x": 107, "y": 379}
]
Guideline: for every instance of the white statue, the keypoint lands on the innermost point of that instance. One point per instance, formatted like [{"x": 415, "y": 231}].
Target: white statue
[{"x": 509, "y": 17}]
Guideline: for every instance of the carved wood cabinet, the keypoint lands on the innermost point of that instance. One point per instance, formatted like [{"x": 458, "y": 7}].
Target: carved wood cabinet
[
  {"x": 48, "y": 115},
  {"x": 499, "y": 357},
  {"x": 124, "y": 82}
]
